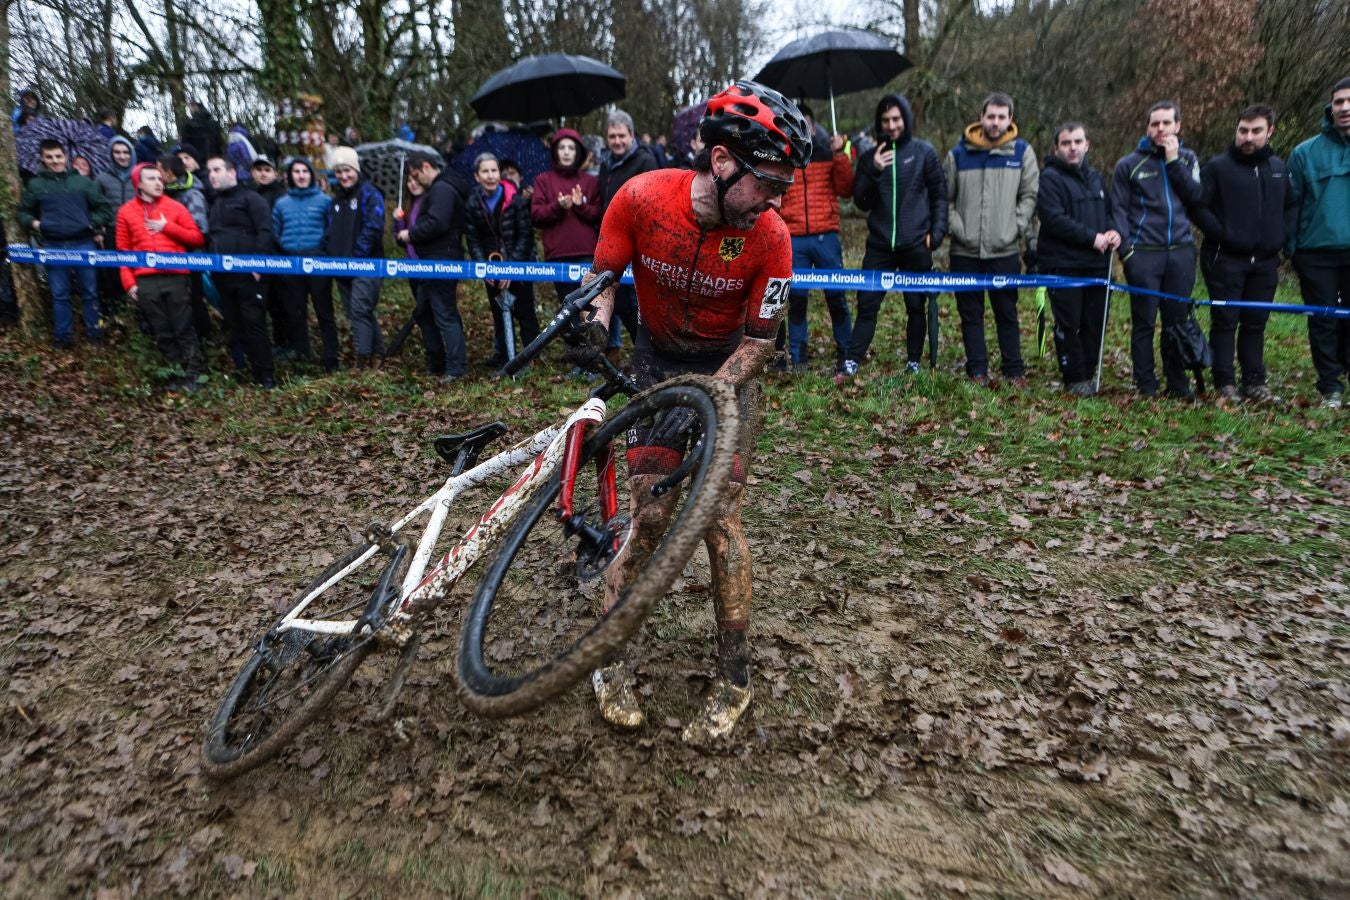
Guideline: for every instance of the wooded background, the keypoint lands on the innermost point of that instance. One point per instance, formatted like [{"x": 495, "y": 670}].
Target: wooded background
[{"x": 379, "y": 63}]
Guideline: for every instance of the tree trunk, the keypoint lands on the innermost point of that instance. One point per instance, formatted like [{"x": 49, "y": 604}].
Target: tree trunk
[{"x": 25, "y": 282}]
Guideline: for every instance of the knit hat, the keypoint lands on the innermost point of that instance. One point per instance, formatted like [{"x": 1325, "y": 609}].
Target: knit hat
[{"x": 346, "y": 156}]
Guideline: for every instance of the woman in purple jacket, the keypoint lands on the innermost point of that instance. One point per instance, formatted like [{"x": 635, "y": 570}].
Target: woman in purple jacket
[{"x": 566, "y": 207}]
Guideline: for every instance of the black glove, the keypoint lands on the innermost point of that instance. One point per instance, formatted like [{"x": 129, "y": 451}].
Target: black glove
[
  {"x": 586, "y": 341},
  {"x": 673, "y": 427}
]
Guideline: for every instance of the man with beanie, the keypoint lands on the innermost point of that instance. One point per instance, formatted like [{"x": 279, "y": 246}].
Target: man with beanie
[
  {"x": 435, "y": 234},
  {"x": 1245, "y": 199},
  {"x": 240, "y": 223},
  {"x": 901, "y": 186},
  {"x": 1151, "y": 191},
  {"x": 811, "y": 212},
  {"x": 299, "y": 220},
  {"x": 992, "y": 179},
  {"x": 115, "y": 183},
  {"x": 1319, "y": 239},
  {"x": 356, "y": 229},
  {"x": 153, "y": 223}
]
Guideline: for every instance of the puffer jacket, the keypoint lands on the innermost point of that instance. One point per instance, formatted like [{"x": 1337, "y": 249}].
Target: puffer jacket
[
  {"x": 506, "y": 230},
  {"x": 115, "y": 182},
  {"x": 1319, "y": 178},
  {"x": 179, "y": 234},
  {"x": 1150, "y": 198},
  {"x": 300, "y": 218},
  {"x": 811, "y": 205},
  {"x": 991, "y": 193},
  {"x": 573, "y": 231},
  {"x": 907, "y": 201},
  {"x": 1073, "y": 209}
]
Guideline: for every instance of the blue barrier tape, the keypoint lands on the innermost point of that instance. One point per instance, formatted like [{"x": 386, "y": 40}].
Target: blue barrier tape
[{"x": 460, "y": 270}]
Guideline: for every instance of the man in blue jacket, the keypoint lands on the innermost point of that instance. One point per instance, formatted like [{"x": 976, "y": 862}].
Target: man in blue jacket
[
  {"x": 299, "y": 220},
  {"x": 1319, "y": 239},
  {"x": 356, "y": 230},
  {"x": 1151, "y": 190}
]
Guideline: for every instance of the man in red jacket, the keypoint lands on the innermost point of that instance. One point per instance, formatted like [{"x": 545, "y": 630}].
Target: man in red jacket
[
  {"x": 154, "y": 223},
  {"x": 811, "y": 211}
]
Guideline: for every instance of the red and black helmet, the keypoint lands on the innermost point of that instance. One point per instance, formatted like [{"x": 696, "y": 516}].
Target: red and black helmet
[{"x": 757, "y": 123}]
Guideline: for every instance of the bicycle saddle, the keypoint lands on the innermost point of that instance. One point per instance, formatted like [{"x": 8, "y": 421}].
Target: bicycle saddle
[{"x": 461, "y": 450}]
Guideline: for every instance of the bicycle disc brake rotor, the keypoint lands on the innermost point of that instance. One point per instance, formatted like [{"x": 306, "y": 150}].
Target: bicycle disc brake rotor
[{"x": 592, "y": 561}]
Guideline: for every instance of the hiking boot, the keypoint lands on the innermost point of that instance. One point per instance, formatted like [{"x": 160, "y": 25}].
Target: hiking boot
[
  {"x": 1082, "y": 389},
  {"x": 1332, "y": 400},
  {"x": 847, "y": 371},
  {"x": 1227, "y": 395},
  {"x": 1259, "y": 393},
  {"x": 1019, "y": 382},
  {"x": 618, "y": 701},
  {"x": 722, "y": 709},
  {"x": 912, "y": 367},
  {"x": 981, "y": 380}
]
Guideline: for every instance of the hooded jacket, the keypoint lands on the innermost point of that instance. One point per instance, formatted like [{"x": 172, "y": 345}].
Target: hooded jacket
[
  {"x": 992, "y": 193},
  {"x": 1319, "y": 179},
  {"x": 300, "y": 218},
  {"x": 1073, "y": 208},
  {"x": 907, "y": 200},
  {"x": 811, "y": 205},
  {"x": 504, "y": 229},
  {"x": 435, "y": 233},
  {"x": 240, "y": 222},
  {"x": 69, "y": 206},
  {"x": 179, "y": 234},
  {"x": 355, "y": 222},
  {"x": 1150, "y": 198},
  {"x": 115, "y": 181},
  {"x": 189, "y": 193},
  {"x": 573, "y": 231},
  {"x": 615, "y": 172},
  {"x": 1243, "y": 203}
]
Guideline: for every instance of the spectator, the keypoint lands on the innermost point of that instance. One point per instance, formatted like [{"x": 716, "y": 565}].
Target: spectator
[
  {"x": 68, "y": 212},
  {"x": 115, "y": 183},
  {"x": 79, "y": 163},
  {"x": 566, "y": 206},
  {"x": 240, "y": 152},
  {"x": 356, "y": 229},
  {"x": 992, "y": 178},
  {"x": 202, "y": 132},
  {"x": 265, "y": 181},
  {"x": 901, "y": 186},
  {"x": 686, "y": 161},
  {"x": 624, "y": 159},
  {"x": 271, "y": 188},
  {"x": 298, "y": 223},
  {"x": 510, "y": 171},
  {"x": 241, "y": 224},
  {"x": 1151, "y": 190},
  {"x": 435, "y": 234},
  {"x": 192, "y": 160},
  {"x": 108, "y": 123},
  {"x": 810, "y": 208},
  {"x": 1245, "y": 199},
  {"x": 152, "y": 222},
  {"x": 148, "y": 147},
  {"x": 404, "y": 219},
  {"x": 1075, "y": 241},
  {"x": 497, "y": 226},
  {"x": 187, "y": 188},
  {"x": 1318, "y": 238},
  {"x": 29, "y": 105}
]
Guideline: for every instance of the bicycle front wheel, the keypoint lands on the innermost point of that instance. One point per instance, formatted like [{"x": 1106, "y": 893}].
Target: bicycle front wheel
[
  {"x": 294, "y": 673},
  {"x": 534, "y": 614}
]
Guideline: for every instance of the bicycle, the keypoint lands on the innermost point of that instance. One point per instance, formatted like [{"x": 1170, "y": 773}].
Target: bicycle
[{"x": 556, "y": 530}]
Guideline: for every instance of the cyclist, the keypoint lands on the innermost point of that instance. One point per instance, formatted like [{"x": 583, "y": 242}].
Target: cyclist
[{"x": 712, "y": 262}]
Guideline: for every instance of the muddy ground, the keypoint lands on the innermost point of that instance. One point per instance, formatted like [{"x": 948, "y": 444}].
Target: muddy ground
[{"x": 1092, "y": 692}]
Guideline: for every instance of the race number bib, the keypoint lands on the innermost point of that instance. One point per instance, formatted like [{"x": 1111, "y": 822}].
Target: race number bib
[{"x": 775, "y": 297}]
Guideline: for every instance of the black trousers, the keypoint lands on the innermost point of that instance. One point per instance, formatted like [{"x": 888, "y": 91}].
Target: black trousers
[
  {"x": 243, "y": 302},
  {"x": 1171, "y": 272},
  {"x": 1324, "y": 279},
  {"x": 167, "y": 304},
  {"x": 1079, "y": 314},
  {"x": 910, "y": 259},
  {"x": 298, "y": 291},
  {"x": 1244, "y": 330},
  {"x": 970, "y": 306}
]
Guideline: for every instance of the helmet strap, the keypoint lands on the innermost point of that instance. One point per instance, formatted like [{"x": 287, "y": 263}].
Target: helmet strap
[{"x": 723, "y": 185}]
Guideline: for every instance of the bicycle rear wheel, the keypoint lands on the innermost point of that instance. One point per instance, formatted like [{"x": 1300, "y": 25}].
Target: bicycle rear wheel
[
  {"x": 535, "y": 613},
  {"x": 293, "y": 674}
]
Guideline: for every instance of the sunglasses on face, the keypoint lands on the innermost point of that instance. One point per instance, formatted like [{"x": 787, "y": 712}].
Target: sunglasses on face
[{"x": 772, "y": 185}]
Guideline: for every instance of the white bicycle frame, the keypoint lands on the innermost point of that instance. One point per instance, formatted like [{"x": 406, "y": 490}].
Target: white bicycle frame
[{"x": 546, "y": 450}]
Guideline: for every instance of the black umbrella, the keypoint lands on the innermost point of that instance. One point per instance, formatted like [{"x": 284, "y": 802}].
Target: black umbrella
[
  {"x": 835, "y": 62},
  {"x": 543, "y": 87}
]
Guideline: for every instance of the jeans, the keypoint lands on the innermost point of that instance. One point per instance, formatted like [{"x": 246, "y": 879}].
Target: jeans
[
  {"x": 970, "y": 306},
  {"x": 818, "y": 251},
  {"x": 912, "y": 259},
  {"x": 359, "y": 298},
  {"x": 1324, "y": 280},
  {"x": 1170, "y": 272},
  {"x": 1079, "y": 314},
  {"x": 58, "y": 279},
  {"x": 1239, "y": 278}
]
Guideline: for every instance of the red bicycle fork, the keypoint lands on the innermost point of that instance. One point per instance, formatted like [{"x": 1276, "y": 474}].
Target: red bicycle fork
[{"x": 604, "y": 471}]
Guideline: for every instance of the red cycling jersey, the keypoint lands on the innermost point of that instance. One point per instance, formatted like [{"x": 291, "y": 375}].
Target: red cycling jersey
[{"x": 698, "y": 291}]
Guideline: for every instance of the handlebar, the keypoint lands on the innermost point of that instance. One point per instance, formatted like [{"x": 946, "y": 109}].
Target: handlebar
[{"x": 573, "y": 305}]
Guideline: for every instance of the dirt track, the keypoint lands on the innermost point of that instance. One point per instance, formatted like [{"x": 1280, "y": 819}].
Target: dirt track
[{"x": 1073, "y": 720}]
